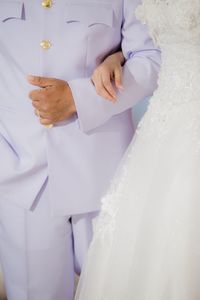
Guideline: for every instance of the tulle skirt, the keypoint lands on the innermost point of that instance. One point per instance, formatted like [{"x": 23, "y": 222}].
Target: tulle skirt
[{"x": 146, "y": 242}]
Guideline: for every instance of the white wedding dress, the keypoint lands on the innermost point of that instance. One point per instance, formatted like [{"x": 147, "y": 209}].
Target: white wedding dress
[{"x": 146, "y": 242}]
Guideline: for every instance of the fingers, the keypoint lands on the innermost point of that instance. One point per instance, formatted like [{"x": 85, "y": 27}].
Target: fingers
[
  {"x": 101, "y": 90},
  {"x": 45, "y": 119},
  {"x": 42, "y": 81},
  {"x": 40, "y": 106},
  {"x": 107, "y": 86},
  {"x": 41, "y": 97},
  {"x": 43, "y": 115},
  {"x": 36, "y": 95},
  {"x": 53, "y": 101},
  {"x": 102, "y": 82},
  {"x": 118, "y": 77}
]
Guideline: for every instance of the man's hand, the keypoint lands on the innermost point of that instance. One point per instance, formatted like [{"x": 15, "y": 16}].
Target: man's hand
[{"x": 53, "y": 101}]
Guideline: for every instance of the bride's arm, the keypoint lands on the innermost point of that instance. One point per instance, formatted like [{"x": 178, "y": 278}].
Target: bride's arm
[
  {"x": 107, "y": 78},
  {"x": 140, "y": 74}
]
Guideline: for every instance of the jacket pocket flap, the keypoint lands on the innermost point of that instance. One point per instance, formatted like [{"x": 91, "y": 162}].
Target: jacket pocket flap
[
  {"x": 10, "y": 10},
  {"x": 89, "y": 14}
]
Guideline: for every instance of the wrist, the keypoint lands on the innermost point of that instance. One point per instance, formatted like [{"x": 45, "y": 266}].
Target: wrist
[
  {"x": 116, "y": 58},
  {"x": 120, "y": 57},
  {"x": 70, "y": 99}
]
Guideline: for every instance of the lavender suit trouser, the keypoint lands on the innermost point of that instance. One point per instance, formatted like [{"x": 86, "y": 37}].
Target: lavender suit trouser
[{"x": 40, "y": 253}]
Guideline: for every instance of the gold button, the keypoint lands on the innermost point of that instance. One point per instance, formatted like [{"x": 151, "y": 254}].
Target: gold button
[
  {"x": 47, "y": 3},
  {"x": 45, "y": 44}
]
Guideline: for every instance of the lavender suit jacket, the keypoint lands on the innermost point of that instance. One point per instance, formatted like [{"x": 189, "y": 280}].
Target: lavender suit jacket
[{"x": 79, "y": 156}]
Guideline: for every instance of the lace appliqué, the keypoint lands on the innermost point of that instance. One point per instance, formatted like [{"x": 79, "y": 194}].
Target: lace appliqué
[
  {"x": 171, "y": 21},
  {"x": 104, "y": 225}
]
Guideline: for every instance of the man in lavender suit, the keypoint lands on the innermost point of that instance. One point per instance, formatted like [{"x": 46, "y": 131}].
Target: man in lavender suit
[{"x": 52, "y": 179}]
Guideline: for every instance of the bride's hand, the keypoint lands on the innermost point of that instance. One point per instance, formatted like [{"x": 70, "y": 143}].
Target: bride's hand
[{"x": 107, "y": 78}]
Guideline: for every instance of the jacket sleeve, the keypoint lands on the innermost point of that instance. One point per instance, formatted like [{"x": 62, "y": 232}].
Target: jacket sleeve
[{"x": 140, "y": 74}]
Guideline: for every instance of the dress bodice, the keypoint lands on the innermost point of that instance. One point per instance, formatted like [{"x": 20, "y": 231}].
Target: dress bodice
[
  {"x": 175, "y": 27},
  {"x": 171, "y": 21}
]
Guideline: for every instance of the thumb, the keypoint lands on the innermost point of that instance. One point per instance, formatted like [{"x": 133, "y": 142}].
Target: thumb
[{"x": 41, "y": 81}]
